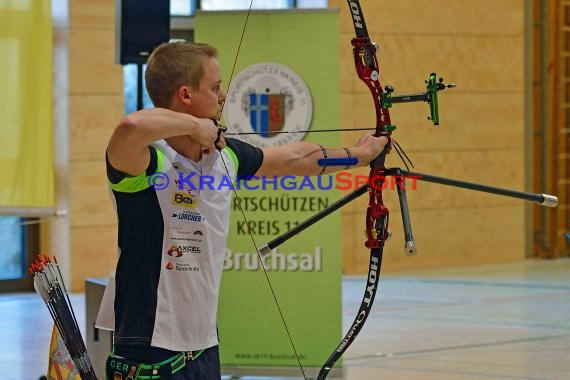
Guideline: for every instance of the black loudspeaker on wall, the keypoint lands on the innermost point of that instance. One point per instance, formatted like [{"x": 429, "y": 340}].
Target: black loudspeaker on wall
[{"x": 141, "y": 25}]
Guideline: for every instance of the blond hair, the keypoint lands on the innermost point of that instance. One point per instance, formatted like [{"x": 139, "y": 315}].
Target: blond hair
[{"x": 175, "y": 64}]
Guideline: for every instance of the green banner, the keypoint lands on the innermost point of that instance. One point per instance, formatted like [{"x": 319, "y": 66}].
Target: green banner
[{"x": 286, "y": 78}]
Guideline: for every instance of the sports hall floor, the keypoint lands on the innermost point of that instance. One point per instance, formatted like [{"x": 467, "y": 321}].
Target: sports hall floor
[{"x": 479, "y": 323}]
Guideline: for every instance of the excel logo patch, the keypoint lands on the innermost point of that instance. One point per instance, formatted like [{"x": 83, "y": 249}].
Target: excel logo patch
[{"x": 181, "y": 198}]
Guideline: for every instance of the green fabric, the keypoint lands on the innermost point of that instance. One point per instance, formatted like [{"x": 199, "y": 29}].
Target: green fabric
[
  {"x": 233, "y": 157},
  {"x": 132, "y": 184}
]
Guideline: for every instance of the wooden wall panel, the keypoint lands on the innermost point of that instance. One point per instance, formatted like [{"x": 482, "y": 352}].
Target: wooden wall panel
[
  {"x": 95, "y": 107},
  {"x": 561, "y": 238},
  {"x": 92, "y": 14},
  {"x": 551, "y": 80},
  {"x": 91, "y": 123},
  {"x": 487, "y": 17},
  {"x": 92, "y": 68},
  {"x": 90, "y": 200},
  {"x": 95, "y": 253},
  {"x": 479, "y": 46},
  {"x": 473, "y": 240},
  {"x": 478, "y": 64}
]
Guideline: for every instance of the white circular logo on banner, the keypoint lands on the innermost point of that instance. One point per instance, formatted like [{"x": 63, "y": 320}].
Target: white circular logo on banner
[{"x": 265, "y": 100}]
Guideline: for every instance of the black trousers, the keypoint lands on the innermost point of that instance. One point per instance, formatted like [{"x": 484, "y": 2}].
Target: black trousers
[{"x": 205, "y": 367}]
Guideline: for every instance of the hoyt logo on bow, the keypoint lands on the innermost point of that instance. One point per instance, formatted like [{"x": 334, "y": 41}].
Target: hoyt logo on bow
[{"x": 355, "y": 10}]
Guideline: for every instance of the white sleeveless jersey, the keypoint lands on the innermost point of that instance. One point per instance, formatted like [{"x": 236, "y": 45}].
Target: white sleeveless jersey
[{"x": 172, "y": 242}]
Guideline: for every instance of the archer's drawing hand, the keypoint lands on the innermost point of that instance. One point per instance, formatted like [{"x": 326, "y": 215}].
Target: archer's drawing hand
[{"x": 206, "y": 133}]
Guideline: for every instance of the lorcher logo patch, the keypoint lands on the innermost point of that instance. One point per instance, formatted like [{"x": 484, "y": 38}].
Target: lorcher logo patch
[{"x": 181, "y": 198}]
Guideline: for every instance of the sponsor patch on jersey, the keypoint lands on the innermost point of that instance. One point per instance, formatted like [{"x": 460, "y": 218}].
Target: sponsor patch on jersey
[
  {"x": 174, "y": 251},
  {"x": 182, "y": 198},
  {"x": 190, "y": 216}
]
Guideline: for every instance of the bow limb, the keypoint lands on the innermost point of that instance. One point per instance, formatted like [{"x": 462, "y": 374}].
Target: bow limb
[{"x": 377, "y": 215}]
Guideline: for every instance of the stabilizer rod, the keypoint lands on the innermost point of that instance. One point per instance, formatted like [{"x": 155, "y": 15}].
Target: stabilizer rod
[
  {"x": 265, "y": 249},
  {"x": 546, "y": 200}
]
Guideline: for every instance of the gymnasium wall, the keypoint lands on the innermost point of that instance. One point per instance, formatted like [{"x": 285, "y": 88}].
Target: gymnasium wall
[{"x": 478, "y": 45}]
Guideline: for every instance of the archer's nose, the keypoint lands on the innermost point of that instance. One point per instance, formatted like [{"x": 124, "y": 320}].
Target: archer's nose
[{"x": 222, "y": 96}]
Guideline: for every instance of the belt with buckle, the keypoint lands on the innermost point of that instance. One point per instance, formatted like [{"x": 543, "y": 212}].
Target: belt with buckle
[
  {"x": 119, "y": 368},
  {"x": 182, "y": 358}
]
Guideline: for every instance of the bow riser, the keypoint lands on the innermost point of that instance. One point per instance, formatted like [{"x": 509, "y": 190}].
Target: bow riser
[
  {"x": 366, "y": 65},
  {"x": 377, "y": 214}
]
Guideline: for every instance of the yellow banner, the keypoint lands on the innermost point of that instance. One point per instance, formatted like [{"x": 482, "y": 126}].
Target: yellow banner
[{"x": 26, "y": 147}]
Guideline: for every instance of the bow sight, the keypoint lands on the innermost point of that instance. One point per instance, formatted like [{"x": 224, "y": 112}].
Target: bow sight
[{"x": 430, "y": 96}]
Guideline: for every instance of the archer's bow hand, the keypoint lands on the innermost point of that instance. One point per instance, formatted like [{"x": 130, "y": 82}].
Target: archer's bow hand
[{"x": 371, "y": 147}]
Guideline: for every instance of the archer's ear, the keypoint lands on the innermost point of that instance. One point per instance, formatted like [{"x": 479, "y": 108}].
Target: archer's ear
[{"x": 184, "y": 95}]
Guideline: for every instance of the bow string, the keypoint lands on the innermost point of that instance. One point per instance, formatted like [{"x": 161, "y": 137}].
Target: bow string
[{"x": 238, "y": 203}]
